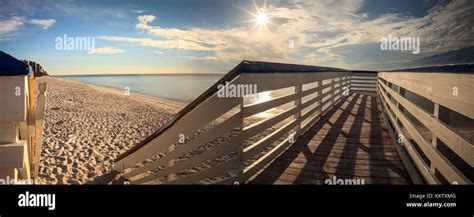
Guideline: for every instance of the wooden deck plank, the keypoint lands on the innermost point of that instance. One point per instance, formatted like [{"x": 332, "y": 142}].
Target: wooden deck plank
[
  {"x": 299, "y": 167},
  {"x": 340, "y": 146},
  {"x": 355, "y": 152},
  {"x": 350, "y": 141},
  {"x": 346, "y": 154},
  {"x": 330, "y": 164},
  {"x": 321, "y": 158},
  {"x": 341, "y": 140}
]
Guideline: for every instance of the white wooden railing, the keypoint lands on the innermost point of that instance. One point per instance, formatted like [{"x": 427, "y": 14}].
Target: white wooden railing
[
  {"x": 221, "y": 140},
  {"x": 363, "y": 81},
  {"x": 412, "y": 101},
  {"x": 35, "y": 153},
  {"x": 225, "y": 141}
]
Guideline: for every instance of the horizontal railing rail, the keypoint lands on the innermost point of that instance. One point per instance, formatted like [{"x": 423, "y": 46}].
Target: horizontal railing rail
[
  {"x": 413, "y": 102},
  {"x": 364, "y": 80}
]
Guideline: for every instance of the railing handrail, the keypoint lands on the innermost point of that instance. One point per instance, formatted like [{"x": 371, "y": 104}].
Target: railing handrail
[{"x": 451, "y": 68}]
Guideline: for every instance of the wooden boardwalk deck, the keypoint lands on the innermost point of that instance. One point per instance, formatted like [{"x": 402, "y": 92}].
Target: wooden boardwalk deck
[{"x": 350, "y": 141}]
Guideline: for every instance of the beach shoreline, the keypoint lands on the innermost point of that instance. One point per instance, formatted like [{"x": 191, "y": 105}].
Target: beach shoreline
[
  {"x": 115, "y": 90},
  {"x": 88, "y": 126}
]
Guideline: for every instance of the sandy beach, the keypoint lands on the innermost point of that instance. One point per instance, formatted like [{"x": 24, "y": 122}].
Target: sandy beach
[{"x": 87, "y": 127}]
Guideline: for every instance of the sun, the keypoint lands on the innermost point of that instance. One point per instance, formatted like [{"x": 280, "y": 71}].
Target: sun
[{"x": 262, "y": 18}]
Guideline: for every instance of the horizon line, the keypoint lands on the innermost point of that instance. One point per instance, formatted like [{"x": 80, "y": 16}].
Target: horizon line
[{"x": 131, "y": 74}]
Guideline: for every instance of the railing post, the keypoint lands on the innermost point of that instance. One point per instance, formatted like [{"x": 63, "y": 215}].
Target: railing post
[
  {"x": 343, "y": 84},
  {"x": 347, "y": 84},
  {"x": 240, "y": 151},
  {"x": 39, "y": 124},
  {"x": 377, "y": 89},
  {"x": 333, "y": 91},
  {"x": 398, "y": 104},
  {"x": 297, "y": 116},
  {"x": 320, "y": 93},
  {"x": 350, "y": 82},
  {"x": 340, "y": 88},
  {"x": 434, "y": 138}
]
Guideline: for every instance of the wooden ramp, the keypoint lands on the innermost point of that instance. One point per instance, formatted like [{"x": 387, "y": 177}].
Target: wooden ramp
[{"x": 350, "y": 142}]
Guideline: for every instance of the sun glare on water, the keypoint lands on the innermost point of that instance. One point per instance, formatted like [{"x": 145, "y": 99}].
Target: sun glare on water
[{"x": 261, "y": 98}]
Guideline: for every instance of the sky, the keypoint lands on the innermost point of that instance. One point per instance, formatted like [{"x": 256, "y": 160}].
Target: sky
[{"x": 212, "y": 36}]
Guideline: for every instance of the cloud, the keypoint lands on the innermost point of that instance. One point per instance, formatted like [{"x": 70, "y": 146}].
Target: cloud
[
  {"x": 320, "y": 32},
  {"x": 45, "y": 23},
  {"x": 172, "y": 33},
  {"x": 207, "y": 58},
  {"x": 165, "y": 44},
  {"x": 146, "y": 18},
  {"x": 272, "y": 44},
  {"x": 138, "y": 11},
  {"x": 9, "y": 26},
  {"x": 107, "y": 50},
  {"x": 157, "y": 52}
]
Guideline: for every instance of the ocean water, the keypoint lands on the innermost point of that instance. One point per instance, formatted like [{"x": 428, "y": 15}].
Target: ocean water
[{"x": 179, "y": 87}]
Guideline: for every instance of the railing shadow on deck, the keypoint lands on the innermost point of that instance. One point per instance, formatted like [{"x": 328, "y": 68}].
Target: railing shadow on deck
[
  {"x": 315, "y": 169},
  {"x": 274, "y": 171}
]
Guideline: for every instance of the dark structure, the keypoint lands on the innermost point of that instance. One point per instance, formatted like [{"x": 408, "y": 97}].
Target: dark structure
[{"x": 37, "y": 68}]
